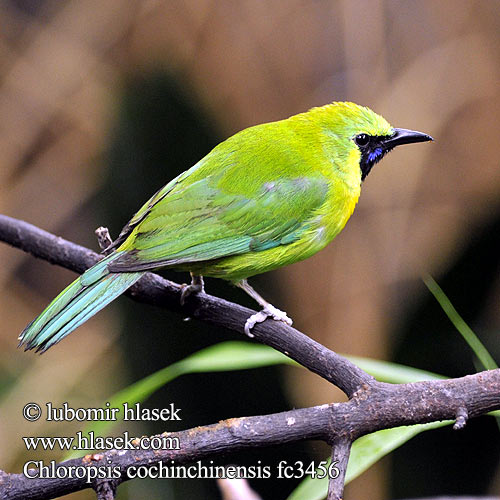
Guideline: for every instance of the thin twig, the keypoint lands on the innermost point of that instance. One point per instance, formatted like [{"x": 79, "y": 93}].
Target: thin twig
[
  {"x": 341, "y": 449},
  {"x": 105, "y": 490},
  {"x": 103, "y": 238}
]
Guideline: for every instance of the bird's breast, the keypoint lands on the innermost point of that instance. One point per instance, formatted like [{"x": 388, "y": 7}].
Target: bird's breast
[
  {"x": 327, "y": 221},
  {"x": 336, "y": 211}
]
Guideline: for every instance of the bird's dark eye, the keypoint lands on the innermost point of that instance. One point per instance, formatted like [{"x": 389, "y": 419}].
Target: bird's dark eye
[{"x": 362, "y": 140}]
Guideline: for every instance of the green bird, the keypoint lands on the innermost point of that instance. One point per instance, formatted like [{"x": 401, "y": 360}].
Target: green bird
[{"x": 268, "y": 196}]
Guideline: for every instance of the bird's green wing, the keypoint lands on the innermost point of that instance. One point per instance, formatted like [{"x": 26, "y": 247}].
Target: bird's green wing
[
  {"x": 140, "y": 215},
  {"x": 211, "y": 218}
]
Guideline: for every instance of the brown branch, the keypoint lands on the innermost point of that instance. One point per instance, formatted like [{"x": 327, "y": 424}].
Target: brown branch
[
  {"x": 381, "y": 406},
  {"x": 372, "y": 405}
]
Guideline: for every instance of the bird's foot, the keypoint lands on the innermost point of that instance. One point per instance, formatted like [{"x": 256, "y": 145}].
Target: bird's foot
[
  {"x": 269, "y": 311},
  {"x": 195, "y": 287}
]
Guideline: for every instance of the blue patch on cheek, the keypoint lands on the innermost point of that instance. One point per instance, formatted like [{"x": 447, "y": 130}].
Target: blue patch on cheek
[{"x": 375, "y": 154}]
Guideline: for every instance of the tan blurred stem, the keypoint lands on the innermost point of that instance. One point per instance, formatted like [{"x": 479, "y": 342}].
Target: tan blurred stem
[{"x": 236, "y": 489}]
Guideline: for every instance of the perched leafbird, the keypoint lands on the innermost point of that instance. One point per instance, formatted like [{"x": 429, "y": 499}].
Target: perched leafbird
[{"x": 269, "y": 196}]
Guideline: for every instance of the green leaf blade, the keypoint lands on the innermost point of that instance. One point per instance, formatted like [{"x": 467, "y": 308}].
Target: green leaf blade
[{"x": 485, "y": 358}]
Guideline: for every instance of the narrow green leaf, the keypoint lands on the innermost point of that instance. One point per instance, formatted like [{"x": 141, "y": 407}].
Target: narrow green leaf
[
  {"x": 393, "y": 373},
  {"x": 487, "y": 362},
  {"x": 370, "y": 448},
  {"x": 226, "y": 356},
  {"x": 233, "y": 355}
]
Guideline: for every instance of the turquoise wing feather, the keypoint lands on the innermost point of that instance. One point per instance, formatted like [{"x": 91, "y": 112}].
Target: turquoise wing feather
[
  {"x": 203, "y": 222},
  {"x": 87, "y": 295}
]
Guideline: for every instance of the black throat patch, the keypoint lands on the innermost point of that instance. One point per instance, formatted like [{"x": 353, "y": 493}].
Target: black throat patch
[{"x": 372, "y": 153}]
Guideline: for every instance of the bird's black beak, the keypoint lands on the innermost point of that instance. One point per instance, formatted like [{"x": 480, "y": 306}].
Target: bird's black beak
[{"x": 404, "y": 136}]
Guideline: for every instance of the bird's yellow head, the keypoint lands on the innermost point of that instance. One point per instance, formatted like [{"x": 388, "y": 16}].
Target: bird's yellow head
[{"x": 359, "y": 135}]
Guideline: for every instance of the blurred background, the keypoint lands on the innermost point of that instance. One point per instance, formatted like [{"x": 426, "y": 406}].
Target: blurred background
[{"x": 101, "y": 103}]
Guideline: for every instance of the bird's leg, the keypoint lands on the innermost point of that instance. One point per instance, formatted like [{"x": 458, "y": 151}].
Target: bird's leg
[
  {"x": 196, "y": 286},
  {"x": 268, "y": 311}
]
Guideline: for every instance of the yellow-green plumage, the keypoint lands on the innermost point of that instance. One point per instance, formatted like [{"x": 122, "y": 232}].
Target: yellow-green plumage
[
  {"x": 293, "y": 180},
  {"x": 269, "y": 196}
]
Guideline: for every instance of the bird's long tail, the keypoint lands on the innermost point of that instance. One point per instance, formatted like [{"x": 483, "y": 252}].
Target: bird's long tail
[{"x": 87, "y": 295}]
